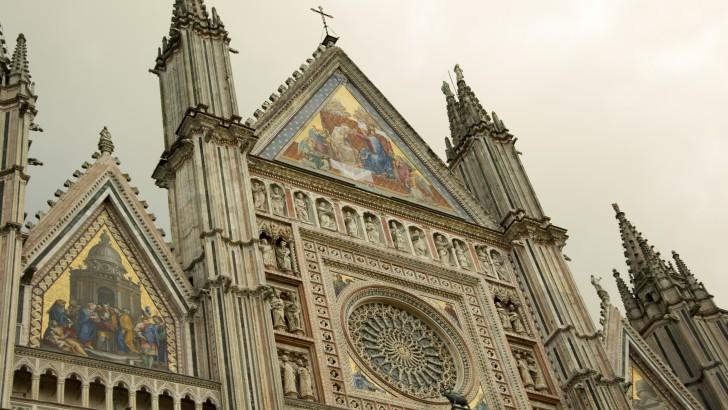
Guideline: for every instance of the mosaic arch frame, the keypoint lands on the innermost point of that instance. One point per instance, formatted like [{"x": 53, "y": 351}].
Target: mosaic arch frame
[
  {"x": 338, "y": 133},
  {"x": 422, "y": 311},
  {"x": 142, "y": 321}
]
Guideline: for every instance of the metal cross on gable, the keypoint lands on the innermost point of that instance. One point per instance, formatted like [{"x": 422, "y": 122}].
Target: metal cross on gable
[{"x": 323, "y": 17}]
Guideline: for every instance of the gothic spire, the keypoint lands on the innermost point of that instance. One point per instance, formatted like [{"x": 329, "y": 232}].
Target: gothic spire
[
  {"x": 453, "y": 114},
  {"x": 471, "y": 110},
  {"x": 106, "y": 145},
  {"x": 19, "y": 65},
  {"x": 644, "y": 263},
  {"x": 628, "y": 299},
  {"x": 696, "y": 287}
]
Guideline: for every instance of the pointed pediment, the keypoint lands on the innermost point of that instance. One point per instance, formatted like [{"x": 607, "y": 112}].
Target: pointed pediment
[
  {"x": 334, "y": 122},
  {"x": 102, "y": 282}
]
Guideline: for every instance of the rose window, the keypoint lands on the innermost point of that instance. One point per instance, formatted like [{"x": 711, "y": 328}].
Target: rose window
[{"x": 402, "y": 349}]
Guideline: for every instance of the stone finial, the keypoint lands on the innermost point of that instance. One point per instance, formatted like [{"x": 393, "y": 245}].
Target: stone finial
[
  {"x": 446, "y": 90},
  {"x": 458, "y": 72},
  {"x": 616, "y": 208},
  {"x": 106, "y": 146},
  {"x": 603, "y": 295},
  {"x": 19, "y": 64}
]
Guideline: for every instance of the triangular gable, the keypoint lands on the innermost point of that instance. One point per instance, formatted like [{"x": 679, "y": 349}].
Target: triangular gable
[
  {"x": 98, "y": 246},
  {"x": 334, "y": 122},
  {"x": 635, "y": 361}
]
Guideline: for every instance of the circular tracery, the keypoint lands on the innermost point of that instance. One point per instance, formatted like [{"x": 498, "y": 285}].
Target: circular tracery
[{"x": 403, "y": 350}]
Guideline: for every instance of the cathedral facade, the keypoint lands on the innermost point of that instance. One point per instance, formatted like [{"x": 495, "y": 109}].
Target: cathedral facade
[{"x": 322, "y": 257}]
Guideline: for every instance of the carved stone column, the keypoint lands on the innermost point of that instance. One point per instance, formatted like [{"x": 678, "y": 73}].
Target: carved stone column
[
  {"x": 34, "y": 386},
  {"x": 84, "y": 393}
]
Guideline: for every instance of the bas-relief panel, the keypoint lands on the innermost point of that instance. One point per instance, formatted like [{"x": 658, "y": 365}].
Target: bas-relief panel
[
  {"x": 99, "y": 308},
  {"x": 338, "y": 133}
]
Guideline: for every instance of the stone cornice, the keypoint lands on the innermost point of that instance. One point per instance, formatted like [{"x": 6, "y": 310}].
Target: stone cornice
[
  {"x": 519, "y": 226},
  {"x": 212, "y": 129}
]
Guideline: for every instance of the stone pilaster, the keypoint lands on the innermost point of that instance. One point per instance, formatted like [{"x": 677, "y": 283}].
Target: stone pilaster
[
  {"x": 215, "y": 233},
  {"x": 17, "y": 111}
]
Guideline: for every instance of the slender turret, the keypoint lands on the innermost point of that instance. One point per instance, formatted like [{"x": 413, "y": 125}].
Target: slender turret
[
  {"x": 193, "y": 66},
  {"x": 17, "y": 111},
  {"x": 212, "y": 216}
]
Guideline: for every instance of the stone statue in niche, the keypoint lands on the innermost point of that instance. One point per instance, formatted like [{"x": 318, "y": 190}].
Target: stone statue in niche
[
  {"x": 352, "y": 229},
  {"x": 503, "y": 315},
  {"x": 372, "y": 230},
  {"x": 482, "y": 253},
  {"x": 397, "y": 236},
  {"x": 276, "y": 308},
  {"x": 283, "y": 256},
  {"x": 524, "y": 371},
  {"x": 288, "y": 374},
  {"x": 535, "y": 374},
  {"x": 460, "y": 255},
  {"x": 278, "y": 201},
  {"x": 418, "y": 242},
  {"x": 293, "y": 316},
  {"x": 443, "y": 248},
  {"x": 515, "y": 319},
  {"x": 259, "y": 196},
  {"x": 499, "y": 265},
  {"x": 266, "y": 250},
  {"x": 326, "y": 215},
  {"x": 301, "y": 203},
  {"x": 305, "y": 385}
]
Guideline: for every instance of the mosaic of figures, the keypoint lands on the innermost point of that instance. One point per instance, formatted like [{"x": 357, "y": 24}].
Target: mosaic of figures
[
  {"x": 99, "y": 308},
  {"x": 371, "y": 227},
  {"x": 338, "y": 133}
]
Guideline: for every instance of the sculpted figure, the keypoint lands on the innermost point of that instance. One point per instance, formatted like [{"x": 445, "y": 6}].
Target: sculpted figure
[
  {"x": 293, "y": 316},
  {"x": 397, "y": 236},
  {"x": 305, "y": 387},
  {"x": 326, "y": 215},
  {"x": 443, "y": 248},
  {"x": 289, "y": 377},
  {"x": 418, "y": 243},
  {"x": 515, "y": 319},
  {"x": 278, "y": 201},
  {"x": 482, "y": 253},
  {"x": 283, "y": 256},
  {"x": 372, "y": 231},
  {"x": 499, "y": 265},
  {"x": 504, "y": 316},
  {"x": 268, "y": 254},
  {"x": 276, "y": 309},
  {"x": 259, "y": 196},
  {"x": 350, "y": 222},
  {"x": 535, "y": 374},
  {"x": 523, "y": 370},
  {"x": 301, "y": 204},
  {"x": 460, "y": 255}
]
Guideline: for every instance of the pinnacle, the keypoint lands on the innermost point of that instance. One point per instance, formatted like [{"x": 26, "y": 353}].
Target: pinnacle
[
  {"x": 106, "y": 146},
  {"x": 20, "y": 58}
]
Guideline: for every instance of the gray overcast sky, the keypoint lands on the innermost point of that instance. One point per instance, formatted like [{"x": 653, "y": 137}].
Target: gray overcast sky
[{"x": 611, "y": 101}]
